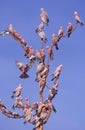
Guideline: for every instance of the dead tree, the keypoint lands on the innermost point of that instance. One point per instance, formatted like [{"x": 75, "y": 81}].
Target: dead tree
[{"x": 38, "y": 113}]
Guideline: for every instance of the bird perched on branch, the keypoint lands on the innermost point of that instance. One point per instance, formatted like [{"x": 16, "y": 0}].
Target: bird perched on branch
[
  {"x": 69, "y": 29},
  {"x": 60, "y": 33},
  {"x": 40, "y": 27},
  {"x": 50, "y": 53},
  {"x": 44, "y": 16},
  {"x": 18, "y": 103},
  {"x": 54, "y": 41},
  {"x": 57, "y": 72},
  {"x": 42, "y": 36},
  {"x": 17, "y": 91},
  {"x": 24, "y": 68},
  {"x": 53, "y": 91},
  {"x": 27, "y": 115},
  {"x": 77, "y": 18}
]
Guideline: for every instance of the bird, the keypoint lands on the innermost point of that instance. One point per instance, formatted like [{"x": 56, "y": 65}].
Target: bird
[
  {"x": 53, "y": 91},
  {"x": 50, "y": 53},
  {"x": 44, "y": 16},
  {"x": 40, "y": 27},
  {"x": 69, "y": 29},
  {"x": 4, "y": 32},
  {"x": 38, "y": 55},
  {"x": 57, "y": 72},
  {"x": 18, "y": 103},
  {"x": 54, "y": 41},
  {"x": 39, "y": 120},
  {"x": 40, "y": 68},
  {"x": 17, "y": 91},
  {"x": 23, "y": 68},
  {"x": 10, "y": 28},
  {"x": 77, "y": 18},
  {"x": 60, "y": 33},
  {"x": 27, "y": 103},
  {"x": 27, "y": 115},
  {"x": 42, "y": 36}
]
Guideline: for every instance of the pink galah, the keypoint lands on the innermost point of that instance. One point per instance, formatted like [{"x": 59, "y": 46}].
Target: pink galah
[
  {"x": 53, "y": 91},
  {"x": 44, "y": 16},
  {"x": 18, "y": 103},
  {"x": 27, "y": 115},
  {"x": 38, "y": 55},
  {"x": 10, "y": 28},
  {"x": 23, "y": 68},
  {"x": 42, "y": 36},
  {"x": 17, "y": 91},
  {"x": 50, "y": 52},
  {"x": 27, "y": 103},
  {"x": 54, "y": 41},
  {"x": 60, "y": 33},
  {"x": 35, "y": 105},
  {"x": 40, "y": 67},
  {"x": 69, "y": 29},
  {"x": 77, "y": 18},
  {"x": 40, "y": 27},
  {"x": 57, "y": 72}
]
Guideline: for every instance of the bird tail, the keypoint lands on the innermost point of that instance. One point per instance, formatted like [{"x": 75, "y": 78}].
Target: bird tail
[
  {"x": 82, "y": 23},
  {"x": 24, "y": 75},
  {"x": 12, "y": 96}
]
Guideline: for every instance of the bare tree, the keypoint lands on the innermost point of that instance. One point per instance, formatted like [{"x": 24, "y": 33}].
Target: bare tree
[{"x": 38, "y": 113}]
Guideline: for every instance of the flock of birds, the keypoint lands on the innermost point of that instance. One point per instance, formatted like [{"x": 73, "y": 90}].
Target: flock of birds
[{"x": 37, "y": 113}]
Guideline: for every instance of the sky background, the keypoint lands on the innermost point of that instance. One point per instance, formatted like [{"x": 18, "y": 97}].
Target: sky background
[{"x": 25, "y": 17}]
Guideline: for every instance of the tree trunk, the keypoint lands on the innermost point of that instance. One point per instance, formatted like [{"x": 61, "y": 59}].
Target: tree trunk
[{"x": 41, "y": 127}]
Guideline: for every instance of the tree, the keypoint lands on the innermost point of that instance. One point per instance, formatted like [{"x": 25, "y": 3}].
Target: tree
[{"x": 38, "y": 113}]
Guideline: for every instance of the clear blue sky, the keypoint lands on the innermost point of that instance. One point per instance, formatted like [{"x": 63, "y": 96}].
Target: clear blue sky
[{"x": 24, "y": 15}]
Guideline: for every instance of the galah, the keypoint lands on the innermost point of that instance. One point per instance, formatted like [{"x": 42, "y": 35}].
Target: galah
[
  {"x": 22, "y": 41},
  {"x": 42, "y": 36},
  {"x": 54, "y": 41},
  {"x": 23, "y": 68},
  {"x": 57, "y": 72},
  {"x": 40, "y": 67},
  {"x": 69, "y": 29},
  {"x": 10, "y": 28},
  {"x": 50, "y": 106},
  {"x": 60, "y": 33},
  {"x": 38, "y": 55},
  {"x": 50, "y": 52},
  {"x": 17, "y": 91},
  {"x": 39, "y": 121},
  {"x": 77, "y": 18},
  {"x": 15, "y": 34},
  {"x": 5, "y": 111},
  {"x": 53, "y": 91},
  {"x": 27, "y": 103},
  {"x": 35, "y": 105},
  {"x": 15, "y": 115},
  {"x": 42, "y": 53},
  {"x": 40, "y": 108},
  {"x": 44, "y": 16},
  {"x": 40, "y": 27},
  {"x": 4, "y": 32},
  {"x": 18, "y": 103},
  {"x": 27, "y": 115},
  {"x": 1, "y": 104}
]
